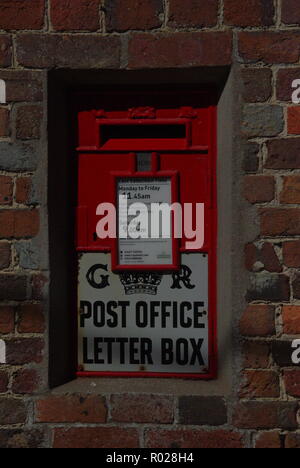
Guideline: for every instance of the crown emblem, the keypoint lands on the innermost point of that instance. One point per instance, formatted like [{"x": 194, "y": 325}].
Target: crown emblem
[{"x": 141, "y": 283}]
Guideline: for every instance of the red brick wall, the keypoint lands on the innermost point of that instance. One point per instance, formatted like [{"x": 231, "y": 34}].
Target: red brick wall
[{"x": 262, "y": 37}]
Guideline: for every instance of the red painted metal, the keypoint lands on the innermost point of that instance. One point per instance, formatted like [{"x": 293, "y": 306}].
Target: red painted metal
[{"x": 193, "y": 158}]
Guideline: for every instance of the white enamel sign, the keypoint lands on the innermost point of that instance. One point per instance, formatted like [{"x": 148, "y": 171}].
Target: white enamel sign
[{"x": 143, "y": 321}]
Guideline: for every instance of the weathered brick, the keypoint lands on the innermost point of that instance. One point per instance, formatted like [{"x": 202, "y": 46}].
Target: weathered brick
[
  {"x": 142, "y": 409},
  {"x": 28, "y": 122},
  {"x": 292, "y": 382},
  {"x": 291, "y": 320},
  {"x": 68, "y": 51},
  {"x": 4, "y": 122},
  {"x": 283, "y": 154},
  {"x": 251, "y": 159},
  {"x": 266, "y": 415},
  {"x": 257, "y": 84},
  {"x": 192, "y": 438},
  {"x": 18, "y": 157},
  {"x": 23, "y": 190},
  {"x": 280, "y": 222},
  {"x": 270, "y": 47},
  {"x": 96, "y": 437},
  {"x": 13, "y": 287},
  {"x": 12, "y": 411},
  {"x": 267, "y": 287},
  {"x": 31, "y": 319},
  {"x": 19, "y": 223},
  {"x": 21, "y": 439},
  {"x": 5, "y": 255},
  {"x": 194, "y": 410},
  {"x": 25, "y": 381},
  {"x": 282, "y": 353},
  {"x": 293, "y": 120},
  {"x": 23, "y": 85},
  {"x": 28, "y": 255},
  {"x": 269, "y": 440},
  {"x": 24, "y": 351},
  {"x": 292, "y": 441},
  {"x": 133, "y": 14},
  {"x": 173, "y": 50},
  {"x": 296, "y": 285},
  {"x": 258, "y": 320},
  {"x": 7, "y": 319},
  {"x": 68, "y": 15},
  {"x": 38, "y": 285},
  {"x": 291, "y": 254},
  {"x": 72, "y": 409},
  {"x": 5, "y": 51},
  {"x": 3, "y": 381},
  {"x": 6, "y": 190},
  {"x": 260, "y": 384},
  {"x": 262, "y": 257},
  {"x": 256, "y": 355},
  {"x": 192, "y": 13},
  {"x": 290, "y": 12},
  {"x": 21, "y": 14},
  {"x": 253, "y": 13},
  {"x": 262, "y": 120},
  {"x": 291, "y": 190},
  {"x": 285, "y": 78},
  {"x": 259, "y": 189}
]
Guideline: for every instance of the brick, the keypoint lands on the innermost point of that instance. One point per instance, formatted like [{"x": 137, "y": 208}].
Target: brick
[
  {"x": 12, "y": 411},
  {"x": 293, "y": 118},
  {"x": 292, "y": 441},
  {"x": 72, "y": 409},
  {"x": 28, "y": 122},
  {"x": 5, "y": 255},
  {"x": 285, "y": 78},
  {"x": 173, "y": 50},
  {"x": 269, "y": 47},
  {"x": 77, "y": 15},
  {"x": 3, "y": 382},
  {"x": 19, "y": 223},
  {"x": 192, "y": 13},
  {"x": 291, "y": 190},
  {"x": 259, "y": 189},
  {"x": 280, "y": 222},
  {"x": 258, "y": 320},
  {"x": 96, "y": 437},
  {"x": 291, "y": 254},
  {"x": 13, "y": 287},
  {"x": 192, "y": 438},
  {"x": 133, "y": 14},
  {"x": 19, "y": 156},
  {"x": 142, "y": 409},
  {"x": 5, "y": 51},
  {"x": 283, "y": 154},
  {"x": 269, "y": 440},
  {"x": 23, "y": 85},
  {"x": 25, "y": 382},
  {"x": 268, "y": 288},
  {"x": 290, "y": 12},
  {"x": 292, "y": 382},
  {"x": 31, "y": 319},
  {"x": 4, "y": 123},
  {"x": 24, "y": 351},
  {"x": 253, "y": 13},
  {"x": 195, "y": 410},
  {"x": 251, "y": 157},
  {"x": 6, "y": 190},
  {"x": 68, "y": 51},
  {"x": 296, "y": 285},
  {"x": 21, "y": 14},
  {"x": 257, "y": 84},
  {"x": 28, "y": 255},
  {"x": 23, "y": 190},
  {"x": 266, "y": 415},
  {"x": 256, "y": 355},
  {"x": 260, "y": 384},
  {"x": 22, "y": 439},
  {"x": 291, "y": 320},
  {"x": 7, "y": 320},
  {"x": 262, "y": 257},
  {"x": 282, "y": 353},
  {"x": 262, "y": 120},
  {"x": 38, "y": 286}
]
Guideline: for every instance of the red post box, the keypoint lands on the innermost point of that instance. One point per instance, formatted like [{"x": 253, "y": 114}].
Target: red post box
[{"x": 147, "y": 304}]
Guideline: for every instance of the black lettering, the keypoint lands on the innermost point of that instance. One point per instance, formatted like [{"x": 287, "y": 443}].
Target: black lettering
[
  {"x": 182, "y": 352},
  {"x": 198, "y": 315},
  {"x": 109, "y": 342},
  {"x": 146, "y": 351},
  {"x": 99, "y": 314},
  {"x": 85, "y": 312},
  {"x": 197, "y": 354},
  {"x": 86, "y": 359},
  {"x": 165, "y": 313},
  {"x": 122, "y": 342},
  {"x": 124, "y": 306},
  {"x": 113, "y": 322},
  {"x": 133, "y": 350},
  {"x": 141, "y": 314},
  {"x": 166, "y": 351},
  {"x": 185, "y": 323},
  {"x": 98, "y": 350},
  {"x": 153, "y": 313}
]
